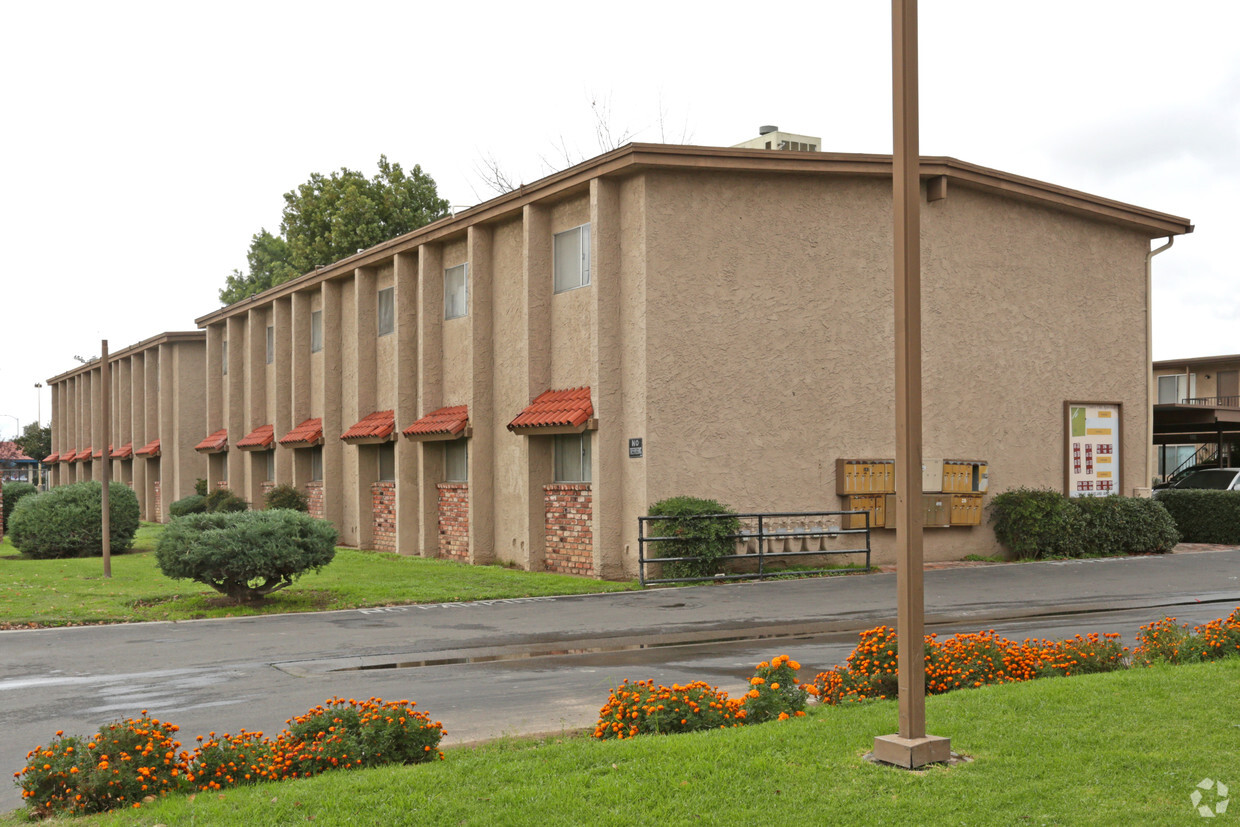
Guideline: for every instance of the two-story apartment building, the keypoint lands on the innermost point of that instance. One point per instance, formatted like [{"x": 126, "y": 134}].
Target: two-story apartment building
[{"x": 1197, "y": 413}]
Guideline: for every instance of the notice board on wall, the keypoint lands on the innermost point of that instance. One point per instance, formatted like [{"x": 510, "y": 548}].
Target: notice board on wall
[{"x": 1092, "y": 433}]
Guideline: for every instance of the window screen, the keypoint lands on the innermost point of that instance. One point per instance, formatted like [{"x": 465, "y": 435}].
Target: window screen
[
  {"x": 572, "y": 258},
  {"x": 456, "y": 460},
  {"x": 316, "y": 331},
  {"x": 387, "y": 462},
  {"x": 572, "y": 457},
  {"x": 271, "y": 344},
  {"x": 387, "y": 311},
  {"x": 456, "y": 291}
]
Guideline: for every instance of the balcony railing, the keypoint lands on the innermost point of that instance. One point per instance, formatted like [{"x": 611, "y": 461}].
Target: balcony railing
[{"x": 1214, "y": 401}]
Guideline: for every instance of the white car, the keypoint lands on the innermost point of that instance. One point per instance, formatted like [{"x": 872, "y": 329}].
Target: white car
[{"x": 1218, "y": 479}]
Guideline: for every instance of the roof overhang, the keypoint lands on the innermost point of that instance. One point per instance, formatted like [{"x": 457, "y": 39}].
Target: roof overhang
[{"x": 441, "y": 425}]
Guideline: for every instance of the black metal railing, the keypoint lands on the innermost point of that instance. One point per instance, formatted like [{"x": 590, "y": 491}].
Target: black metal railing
[
  {"x": 1213, "y": 401},
  {"x": 763, "y": 538}
]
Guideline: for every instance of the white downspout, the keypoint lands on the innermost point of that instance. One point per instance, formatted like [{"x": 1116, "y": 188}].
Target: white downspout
[{"x": 1151, "y": 460}]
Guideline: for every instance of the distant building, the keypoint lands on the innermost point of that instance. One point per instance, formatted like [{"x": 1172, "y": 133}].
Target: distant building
[
  {"x": 15, "y": 466},
  {"x": 1197, "y": 413}
]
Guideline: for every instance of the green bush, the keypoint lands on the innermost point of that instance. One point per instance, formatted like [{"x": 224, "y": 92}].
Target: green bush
[
  {"x": 68, "y": 521},
  {"x": 1037, "y": 522},
  {"x": 193, "y": 504},
  {"x": 200, "y": 487},
  {"x": 287, "y": 496},
  {"x": 1044, "y": 523},
  {"x": 14, "y": 491},
  {"x": 1201, "y": 516},
  {"x": 706, "y": 540},
  {"x": 245, "y": 555},
  {"x": 223, "y": 500},
  {"x": 1115, "y": 526}
]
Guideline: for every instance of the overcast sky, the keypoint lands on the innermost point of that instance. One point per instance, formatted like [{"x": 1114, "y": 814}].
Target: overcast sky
[{"x": 145, "y": 143}]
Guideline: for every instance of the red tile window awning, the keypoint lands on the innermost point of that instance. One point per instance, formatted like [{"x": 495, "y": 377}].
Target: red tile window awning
[
  {"x": 379, "y": 426},
  {"x": 68, "y": 456},
  {"x": 123, "y": 452},
  {"x": 305, "y": 435},
  {"x": 151, "y": 449},
  {"x": 99, "y": 454},
  {"x": 214, "y": 443},
  {"x": 84, "y": 454},
  {"x": 556, "y": 412},
  {"x": 51, "y": 458},
  {"x": 445, "y": 423},
  {"x": 259, "y": 439}
]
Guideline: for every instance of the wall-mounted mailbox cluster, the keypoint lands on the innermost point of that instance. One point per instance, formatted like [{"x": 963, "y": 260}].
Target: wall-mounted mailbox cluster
[{"x": 952, "y": 491}]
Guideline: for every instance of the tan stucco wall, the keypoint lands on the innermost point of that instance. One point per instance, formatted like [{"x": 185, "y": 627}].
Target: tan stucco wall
[{"x": 774, "y": 357}]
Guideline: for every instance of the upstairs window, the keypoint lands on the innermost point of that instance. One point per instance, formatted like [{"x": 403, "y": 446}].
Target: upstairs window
[
  {"x": 316, "y": 464},
  {"x": 387, "y": 462},
  {"x": 271, "y": 344},
  {"x": 572, "y": 457},
  {"x": 572, "y": 258},
  {"x": 456, "y": 291},
  {"x": 387, "y": 311},
  {"x": 224, "y": 356},
  {"x": 316, "y": 331}
]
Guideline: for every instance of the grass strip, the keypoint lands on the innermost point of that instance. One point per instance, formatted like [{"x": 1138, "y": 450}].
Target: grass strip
[
  {"x": 1112, "y": 749},
  {"x": 74, "y": 592}
]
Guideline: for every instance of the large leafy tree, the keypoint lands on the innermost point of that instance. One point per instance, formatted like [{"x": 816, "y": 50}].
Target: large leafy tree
[
  {"x": 330, "y": 217},
  {"x": 35, "y": 441}
]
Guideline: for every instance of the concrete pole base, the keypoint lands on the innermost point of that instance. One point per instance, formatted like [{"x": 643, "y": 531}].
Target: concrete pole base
[{"x": 912, "y": 753}]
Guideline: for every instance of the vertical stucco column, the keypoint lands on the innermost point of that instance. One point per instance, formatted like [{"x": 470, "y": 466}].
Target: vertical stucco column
[
  {"x": 235, "y": 410},
  {"x": 98, "y": 439},
  {"x": 215, "y": 378},
  {"x": 482, "y": 492},
  {"x": 333, "y": 448},
  {"x": 137, "y": 403},
  {"x": 408, "y": 369},
  {"x": 282, "y": 419},
  {"x": 364, "y": 460},
  {"x": 537, "y": 278},
  {"x": 154, "y": 465},
  {"x": 610, "y": 446},
  {"x": 122, "y": 392},
  {"x": 256, "y": 399},
  {"x": 430, "y": 392},
  {"x": 169, "y": 448},
  {"x": 299, "y": 360},
  {"x": 188, "y": 366}
]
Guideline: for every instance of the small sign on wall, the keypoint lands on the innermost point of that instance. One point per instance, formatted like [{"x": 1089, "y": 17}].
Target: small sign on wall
[
  {"x": 635, "y": 448},
  {"x": 1092, "y": 432}
]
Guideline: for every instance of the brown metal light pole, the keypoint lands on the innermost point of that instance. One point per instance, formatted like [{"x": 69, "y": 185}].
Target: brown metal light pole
[
  {"x": 911, "y": 747},
  {"x": 105, "y": 379}
]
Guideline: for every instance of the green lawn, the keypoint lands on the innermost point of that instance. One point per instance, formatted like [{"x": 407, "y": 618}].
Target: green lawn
[
  {"x": 66, "y": 592},
  {"x": 1121, "y": 748}
]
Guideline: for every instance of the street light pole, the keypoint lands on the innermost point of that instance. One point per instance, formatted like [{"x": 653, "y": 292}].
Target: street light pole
[
  {"x": 38, "y": 401},
  {"x": 910, "y": 748}
]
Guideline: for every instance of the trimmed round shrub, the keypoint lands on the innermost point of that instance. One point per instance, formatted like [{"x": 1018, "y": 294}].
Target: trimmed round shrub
[
  {"x": 193, "y": 504},
  {"x": 1202, "y": 516},
  {"x": 68, "y": 521},
  {"x": 287, "y": 496},
  {"x": 200, "y": 487},
  {"x": 1037, "y": 522},
  {"x": 705, "y": 540},
  {"x": 245, "y": 555},
  {"x": 14, "y": 491},
  {"x": 225, "y": 500}
]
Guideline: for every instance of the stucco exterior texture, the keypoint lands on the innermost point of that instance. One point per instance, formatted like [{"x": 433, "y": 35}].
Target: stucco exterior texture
[{"x": 738, "y": 319}]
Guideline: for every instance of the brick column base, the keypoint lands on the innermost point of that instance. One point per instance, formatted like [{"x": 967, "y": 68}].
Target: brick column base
[
  {"x": 569, "y": 513},
  {"x": 454, "y": 520},
  {"x": 383, "y": 509},
  {"x": 314, "y": 493}
]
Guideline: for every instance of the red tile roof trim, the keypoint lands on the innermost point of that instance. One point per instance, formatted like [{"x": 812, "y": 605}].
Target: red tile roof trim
[
  {"x": 84, "y": 455},
  {"x": 11, "y": 453},
  {"x": 374, "y": 426},
  {"x": 214, "y": 443},
  {"x": 451, "y": 421},
  {"x": 568, "y": 408},
  {"x": 51, "y": 458},
  {"x": 151, "y": 449},
  {"x": 308, "y": 433},
  {"x": 99, "y": 454},
  {"x": 68, "y": 456},
  {"x": 123, "y": 452},
  {"x": 259, "y": 439}
]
